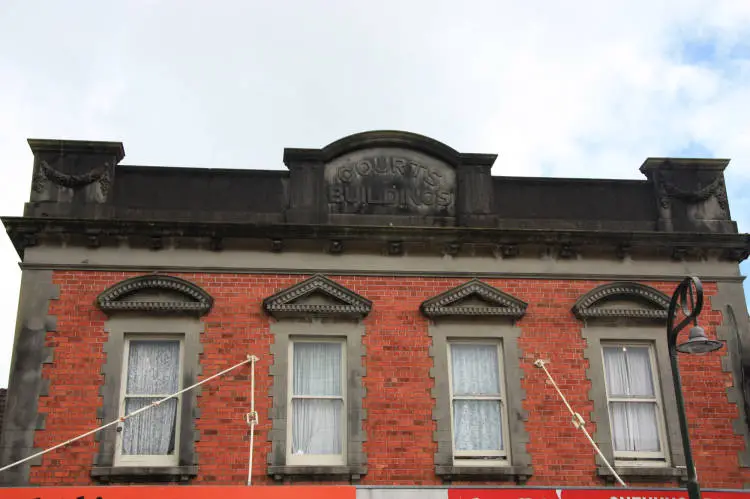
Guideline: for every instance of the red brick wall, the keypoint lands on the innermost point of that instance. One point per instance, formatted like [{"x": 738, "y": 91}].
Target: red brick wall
[{"x": 399, "y": 405}]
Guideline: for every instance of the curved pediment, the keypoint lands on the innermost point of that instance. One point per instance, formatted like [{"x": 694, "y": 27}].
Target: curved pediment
[
  {"x": 155, "y": 293},
  {"x": 474, "y": 298},
  {"x": 388, "y": 173},
  {"x": 315, "y": 297},
  {"x": 378, "y": 139},
  {"x": 623, "y": 299},
  {"x": 390, "y": 139}
]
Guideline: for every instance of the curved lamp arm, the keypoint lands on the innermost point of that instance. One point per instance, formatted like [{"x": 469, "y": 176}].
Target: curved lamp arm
[{"x": 689, "y": 297}]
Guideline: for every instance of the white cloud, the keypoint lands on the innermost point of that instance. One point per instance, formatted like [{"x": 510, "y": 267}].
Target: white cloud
[{"x": 580, "y": 88}]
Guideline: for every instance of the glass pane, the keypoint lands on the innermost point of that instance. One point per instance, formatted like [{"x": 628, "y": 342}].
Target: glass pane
[
  {"x": 628, "y": 371},
  {"x": 634, "y": 426},
  {"x": 475, "y": 370},
  {"x": 316, "y": 426},
  {"x": 151, "y": 432},
  {"x": 317, "y": 369},
  {"x": 477, "y": 425},
  {"x": 153, "y": 367}
]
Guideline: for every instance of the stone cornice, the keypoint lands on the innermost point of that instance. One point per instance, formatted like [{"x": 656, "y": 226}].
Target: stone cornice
[
  {"x": 587, "y": 305},
  {"x": 344, "y": 302},
  {"x": 25, "y": 232},
  {"x": 499, "y": 304},
  {"x": 716, "y": 164},
  {"x": 54, "y": 146},
  {"x": 197, "y": 301}
]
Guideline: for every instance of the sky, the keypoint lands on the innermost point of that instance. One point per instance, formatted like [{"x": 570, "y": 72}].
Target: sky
[{"x": 582, "y": 88}]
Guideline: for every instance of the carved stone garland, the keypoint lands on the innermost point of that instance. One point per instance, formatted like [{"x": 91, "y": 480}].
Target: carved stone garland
[
  {"x": 46, "y": 172},
  {"x": 716, "y": 187}
]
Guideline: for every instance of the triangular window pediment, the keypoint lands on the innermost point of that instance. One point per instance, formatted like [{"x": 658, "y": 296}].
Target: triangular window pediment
[
  {"x": 474, "y": 298},
  {"x": 315, "y": 297},
  {"x": 622, "y": 299},
  {"x": 157, "y": 294}
]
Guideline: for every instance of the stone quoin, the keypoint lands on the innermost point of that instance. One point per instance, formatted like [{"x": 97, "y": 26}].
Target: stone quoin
[{"x": 396, "y": 295}]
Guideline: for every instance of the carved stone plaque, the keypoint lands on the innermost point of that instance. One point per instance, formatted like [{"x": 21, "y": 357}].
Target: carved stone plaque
[{"x": 390, "y": 181}]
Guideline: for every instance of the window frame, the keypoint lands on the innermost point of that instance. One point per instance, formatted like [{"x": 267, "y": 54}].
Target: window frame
[
  {"x": 597, "y": 332},
  {"x": 317, "y": 459},
  {"x": 635, "y": 458},
  {"x": 156, "y": 459},
  {"x": 150, "y": 304},
  {"x": 519, "y": 467},
  {"x": 283, "y": 331},
  {"x": 117, "y": 327},
  {"x": 474, "y": 458}
]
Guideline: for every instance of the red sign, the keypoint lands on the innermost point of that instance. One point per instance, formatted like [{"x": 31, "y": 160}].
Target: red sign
[
  {"x": 620, "y": 493},
  {"x": 725, "y": 494},
  {"x": 179, "y": 492},
  {"x": 519, "y": 493},
  {"x": 342, "y": 492},
  {"x": 609, "y": 493}
]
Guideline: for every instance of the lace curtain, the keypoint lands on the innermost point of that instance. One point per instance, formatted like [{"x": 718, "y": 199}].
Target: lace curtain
[
  {"x": 153, "y": 372},
  {"x": 634, "y": 423},
  {"x": 317, "y": 398},
  {"x": 477, "y": 424}
]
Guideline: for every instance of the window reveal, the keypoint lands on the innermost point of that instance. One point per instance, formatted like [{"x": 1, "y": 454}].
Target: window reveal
[
  {"x": 317, "y": 429},
  {"x": 152, "y": 370},
  {"x": 633, "y": 402},
  {"x": 478, "y": 409}
]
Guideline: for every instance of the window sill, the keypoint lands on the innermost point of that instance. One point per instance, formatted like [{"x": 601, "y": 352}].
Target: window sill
[
  {"x": 515, "y": 473},
  {"x": 643, "y": 473},
  {"x": 144, "y": 473},
  {"x": 353, "y": 473}
]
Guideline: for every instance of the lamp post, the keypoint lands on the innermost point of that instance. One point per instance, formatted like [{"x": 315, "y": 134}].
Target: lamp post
[{"x": 689, "y": 297}]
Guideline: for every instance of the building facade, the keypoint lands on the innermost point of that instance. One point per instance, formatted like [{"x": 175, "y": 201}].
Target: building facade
[{"x": 396, "y": 296}]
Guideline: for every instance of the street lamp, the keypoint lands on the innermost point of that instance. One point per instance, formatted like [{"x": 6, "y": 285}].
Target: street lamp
[{"x": 689, "y": 297}]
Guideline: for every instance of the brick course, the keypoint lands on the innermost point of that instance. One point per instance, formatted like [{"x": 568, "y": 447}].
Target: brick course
[{"x": 399, "y": 425}]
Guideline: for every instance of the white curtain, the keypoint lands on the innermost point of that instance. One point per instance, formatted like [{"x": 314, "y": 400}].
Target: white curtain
[
  {"x": 634, "y": 424},
  {"x": 316, "y": 422},
  {"x": 477, "y": 423},
  {"x": 153, "y": 369}
]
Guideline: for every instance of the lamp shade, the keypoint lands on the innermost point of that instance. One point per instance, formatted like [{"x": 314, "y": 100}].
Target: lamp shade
[{"x": 698, "y": 342}]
